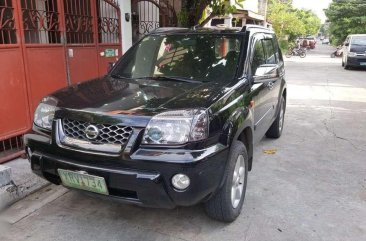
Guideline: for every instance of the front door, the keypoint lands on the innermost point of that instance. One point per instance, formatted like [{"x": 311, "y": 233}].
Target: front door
[
  {"x": 263, "y": 109},
  {"x": 274, "y": 58}
]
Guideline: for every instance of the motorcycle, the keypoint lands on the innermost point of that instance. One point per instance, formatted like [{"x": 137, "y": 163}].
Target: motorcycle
[
  {"x": 337, "y": 53},
  {"x": 296, "y": 52}
]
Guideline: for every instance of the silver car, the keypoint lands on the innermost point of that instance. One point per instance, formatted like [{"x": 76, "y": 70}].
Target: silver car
[{"x": 354, "y": 51}]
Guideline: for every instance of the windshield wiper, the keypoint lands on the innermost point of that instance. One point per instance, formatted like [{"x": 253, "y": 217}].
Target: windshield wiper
[{"x": 174, "y": 78}]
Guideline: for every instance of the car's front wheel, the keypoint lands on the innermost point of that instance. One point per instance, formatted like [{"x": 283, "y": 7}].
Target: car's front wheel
[
  {"x": 227, "y": 203},
  {"x": 346, "y": 66}
]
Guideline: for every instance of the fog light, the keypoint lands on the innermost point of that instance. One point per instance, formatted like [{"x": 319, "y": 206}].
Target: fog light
[{"x": 180, "y": 181}]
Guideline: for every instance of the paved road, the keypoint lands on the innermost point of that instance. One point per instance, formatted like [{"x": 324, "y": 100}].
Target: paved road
[{"x": 312, "y": 188}]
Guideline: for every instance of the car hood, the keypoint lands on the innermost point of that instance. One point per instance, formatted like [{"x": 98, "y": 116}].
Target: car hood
[{"x": 136, "y": 97}]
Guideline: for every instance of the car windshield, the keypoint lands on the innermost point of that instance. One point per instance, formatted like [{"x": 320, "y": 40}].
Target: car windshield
[
  {"x": 359, "y": 41},
  {"x": 201, "y": 57}
]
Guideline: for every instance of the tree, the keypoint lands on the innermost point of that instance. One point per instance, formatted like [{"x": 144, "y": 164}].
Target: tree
[
  {"x": 346, "y": 17},
  {"x": 324, "y": 29},
  {"x": 284, "y": 20},
  {"x": 310, "y": 21},
  {"x": 290, "y": 23},
  {"x": 194, "y": 11}
]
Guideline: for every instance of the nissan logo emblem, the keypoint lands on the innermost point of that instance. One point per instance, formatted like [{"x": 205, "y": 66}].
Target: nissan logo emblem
[{"x": 91, "y": 132}]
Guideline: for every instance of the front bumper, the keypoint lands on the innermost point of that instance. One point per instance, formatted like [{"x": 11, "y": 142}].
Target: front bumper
[
  {"x": 142, "y": 177},
  {"x": 357, "y": 61}
]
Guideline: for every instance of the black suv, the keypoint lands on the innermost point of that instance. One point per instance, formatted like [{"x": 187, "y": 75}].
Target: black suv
[{"x": 173, "y": 123}]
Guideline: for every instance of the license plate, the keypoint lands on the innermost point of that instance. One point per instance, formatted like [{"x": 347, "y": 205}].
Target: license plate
[
  {"x": 83, "y": 181},
  {"x": 363, "y": 63}
]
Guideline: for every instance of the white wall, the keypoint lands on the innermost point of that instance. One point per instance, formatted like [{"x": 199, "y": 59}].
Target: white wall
[
  {"x": 125, "y": 6},
  {"x": 251, "y": 5}
]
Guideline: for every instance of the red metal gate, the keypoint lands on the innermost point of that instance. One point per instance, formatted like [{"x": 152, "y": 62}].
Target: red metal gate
[
  {"x": 46, "y": 45},
  {"x": 14, "y": 113},
  {"x": 148, "y": 15}
]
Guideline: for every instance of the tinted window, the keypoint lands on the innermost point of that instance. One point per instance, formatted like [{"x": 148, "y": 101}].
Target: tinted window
[
  {"x": 258, "y": 56},
  {"x": 271, "y": 55},
  {"x": 277, "y": 50},
  {"x": 198, "y": 57},
  {"x": 359, "y": 40}
]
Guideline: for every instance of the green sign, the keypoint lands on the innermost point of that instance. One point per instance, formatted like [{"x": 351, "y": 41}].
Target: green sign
[
  {"x": 83, "y": 181},
  {"x": 109, "y": 53}
]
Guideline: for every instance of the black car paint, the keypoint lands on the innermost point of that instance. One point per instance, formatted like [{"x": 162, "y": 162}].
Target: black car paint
[{"x": 148, "y": 169}]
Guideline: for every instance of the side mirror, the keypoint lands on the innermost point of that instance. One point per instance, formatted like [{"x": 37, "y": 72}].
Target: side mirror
[
  {"x": 265, "y": 72},
  {"x": 346, "y": 44}
]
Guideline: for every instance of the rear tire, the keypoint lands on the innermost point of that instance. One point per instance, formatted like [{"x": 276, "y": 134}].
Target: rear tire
[
  {"x": 275, "y": 131},
  {"x": 227, "y": 203},
  {"x": 302, "y": 54}
]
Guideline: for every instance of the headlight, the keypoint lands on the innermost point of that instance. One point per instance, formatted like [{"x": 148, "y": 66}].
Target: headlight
[
  {"x": 177, "y": 127},
  {"x": 352, "y": 54},
  {"x": 45, "y": 112}
]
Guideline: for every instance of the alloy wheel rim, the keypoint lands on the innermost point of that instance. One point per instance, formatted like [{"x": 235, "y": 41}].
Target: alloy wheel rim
[{"x": 238, "y": 182}]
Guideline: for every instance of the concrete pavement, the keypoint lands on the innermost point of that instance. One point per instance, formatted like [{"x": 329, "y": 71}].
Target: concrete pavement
[
  {"x": 312, "y": 188},
  {"x": 17, "y": 181}
]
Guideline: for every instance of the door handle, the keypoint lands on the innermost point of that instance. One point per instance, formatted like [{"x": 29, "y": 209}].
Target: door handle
[{"x": 270, "y": 85}]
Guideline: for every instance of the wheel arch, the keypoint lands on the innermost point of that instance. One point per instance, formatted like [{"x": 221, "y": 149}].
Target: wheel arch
[
  {"x": 243, "y": 132},
  {"x": 246, "y": 137}
]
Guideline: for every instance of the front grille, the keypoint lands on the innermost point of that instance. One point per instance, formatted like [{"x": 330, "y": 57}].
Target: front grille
[{"x": 108, "y": 134}]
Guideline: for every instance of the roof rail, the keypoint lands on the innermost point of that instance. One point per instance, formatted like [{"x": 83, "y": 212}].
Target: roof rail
[
  {"x": 247, "y": 26},
  {"x": 164, "y": 29}
]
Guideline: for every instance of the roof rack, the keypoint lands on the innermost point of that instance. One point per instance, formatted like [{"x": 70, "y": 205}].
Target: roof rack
[
  {"x": 246, "y": 27},
  {"x": 165, "y": 29}
]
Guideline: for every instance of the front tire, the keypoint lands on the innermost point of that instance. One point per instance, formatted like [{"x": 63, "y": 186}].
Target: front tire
[
  {"x": 227, "y": 203},
  {"x": 302, "y": 54},
  {"x": 346, "y": 66},
  {"x": 275, "y": 131}
]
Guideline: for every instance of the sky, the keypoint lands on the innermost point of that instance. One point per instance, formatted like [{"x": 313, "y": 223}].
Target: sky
[{"x": 316, "y": 5}]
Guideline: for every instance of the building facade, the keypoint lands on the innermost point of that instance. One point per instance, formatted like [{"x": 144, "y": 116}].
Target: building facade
[
  {"x": 251, "y": 12},
  {"x": 140, "y": 17}
]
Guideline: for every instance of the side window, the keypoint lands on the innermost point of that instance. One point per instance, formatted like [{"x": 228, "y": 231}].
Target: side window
[
  {"x": 259, "y": 57},
  {"x": 270, "y": 52},
  {"x": 277, "y": 50}
]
